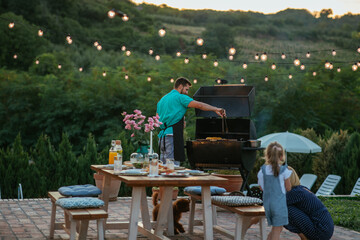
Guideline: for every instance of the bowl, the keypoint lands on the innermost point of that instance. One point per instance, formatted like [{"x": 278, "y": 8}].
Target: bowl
[{"x": 255, "y": 143}]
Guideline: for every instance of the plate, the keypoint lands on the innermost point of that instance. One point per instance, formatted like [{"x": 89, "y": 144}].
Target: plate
[
  {"x": 179, "y": 168},
  {"x": 175, "y": 174},
  {"x": 133, "y": 172}
]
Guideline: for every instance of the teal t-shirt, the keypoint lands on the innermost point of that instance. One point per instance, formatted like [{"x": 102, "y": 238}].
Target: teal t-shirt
[{"x": 171, "y": 109}]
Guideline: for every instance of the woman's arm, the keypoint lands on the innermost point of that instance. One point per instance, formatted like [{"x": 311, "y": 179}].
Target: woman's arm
[{"x": 287, "y": 185}]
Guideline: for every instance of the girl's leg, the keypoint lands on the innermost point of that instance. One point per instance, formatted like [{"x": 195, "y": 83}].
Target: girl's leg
[{"x": 275, "y": 232}]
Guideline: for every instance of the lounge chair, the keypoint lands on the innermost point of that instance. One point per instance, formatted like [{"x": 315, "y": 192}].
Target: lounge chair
[
  {"x": 328, "y": 186},
  {"x": 356, "y": 189},
  {"x": 308, "y": 180}
]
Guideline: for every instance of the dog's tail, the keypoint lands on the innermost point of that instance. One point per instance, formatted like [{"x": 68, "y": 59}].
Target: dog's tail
[{"x": 155, "y": 198}]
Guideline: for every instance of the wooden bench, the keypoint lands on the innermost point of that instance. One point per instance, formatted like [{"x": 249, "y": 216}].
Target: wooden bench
[
  {"x": 74, "y": 216},
  {"x": 244, "y": 214}
]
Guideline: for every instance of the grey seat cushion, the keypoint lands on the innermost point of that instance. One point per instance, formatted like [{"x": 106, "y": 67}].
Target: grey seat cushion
[
  {"x": 86, "y": 190},
  {"x": 196, "y": 190},
  {"x": 236, "y": 201},
  {"x": 79, "y": 202}
]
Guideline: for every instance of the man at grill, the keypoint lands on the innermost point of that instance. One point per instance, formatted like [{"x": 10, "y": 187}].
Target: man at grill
[{"x": 171, "y": 109}]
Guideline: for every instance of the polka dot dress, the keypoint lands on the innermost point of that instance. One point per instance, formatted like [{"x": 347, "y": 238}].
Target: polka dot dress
[{"x": 308, "y": 215}]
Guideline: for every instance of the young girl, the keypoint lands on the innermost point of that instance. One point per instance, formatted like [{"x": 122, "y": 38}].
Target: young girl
[{"x": 273, "y": 180}]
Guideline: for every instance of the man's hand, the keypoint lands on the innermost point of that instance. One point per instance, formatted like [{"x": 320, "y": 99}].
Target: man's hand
[{"x": 221, "y": 112}]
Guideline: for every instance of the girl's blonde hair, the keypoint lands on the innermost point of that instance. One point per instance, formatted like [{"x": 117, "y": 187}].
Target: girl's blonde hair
[{"x": 273, "y": 153}]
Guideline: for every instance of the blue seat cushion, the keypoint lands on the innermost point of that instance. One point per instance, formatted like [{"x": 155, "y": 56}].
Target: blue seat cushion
[
  {"x": 196, "y": 190},
  {"x": 87, "y": 190},
  {"x": 79, "y": 202},
  {"x": 236, "y": 201}
]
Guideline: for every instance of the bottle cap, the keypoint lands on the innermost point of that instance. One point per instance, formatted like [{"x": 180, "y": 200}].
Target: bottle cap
[{"x": 118, "y": 142}]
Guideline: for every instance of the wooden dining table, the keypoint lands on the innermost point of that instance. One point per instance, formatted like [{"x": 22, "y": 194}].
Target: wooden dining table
[{"x": 165, "y": 217}]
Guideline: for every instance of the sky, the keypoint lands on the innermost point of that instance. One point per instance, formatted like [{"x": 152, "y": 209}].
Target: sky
[{"x": 339, "y": 7}]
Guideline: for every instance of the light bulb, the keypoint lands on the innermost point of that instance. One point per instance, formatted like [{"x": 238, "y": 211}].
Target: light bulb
[
  {"x": 99, "y": 47},
  {"x": 162, "y": 32},
  {"x": 257, "y": 56},
  {"x": 308, "y": 55},
  {"x": 314, "y": 74},
  {"x": 111, "y": 14},
  {"x": 302, "y": 67},
  {"x": 231, "y": 57},
  {"x": 195, "y": 81},
  {"x": 96, "y": 44},
  {"x": 11, "y": 25},
  {"x": 242, "y": 80},
  {"x": 273, "y": 66},
  {"x": 331, "y": 66},
  {"x": 59, "y": 66},
  {"x": 232, "y": 51},
  {"x": 216, "y": 63},
  {"x": 80, "y": 69},
  {"x": 338, "y": 69},
  {"x": 149, "y": 79},
  {"x": 296, "y": 62},
  {"x": 283, "y": 56},
  {"x": 244, "y": 66},
  {"x": 151, "y": 51},
  {"x": 125, "y": 18},
  {"x": 266, "y": 78},
  {"x": 218, "y": 80},
  {"x": 354, "y": 67},
  {"x": 171, "y": 80},
  {"x": 15, "y": 56},
  {"x": 128, "y": 53},
  {"x": 178, "y": 54},
  {"x": 199, "y": 41},
  {"x": 290, "y": 76},
  {"x": 157, "y": 57},
  {"x": 104, "y": 74},
  {"x": 358, "y": 63},
  {"x": 123, "y": 48},
  {"x": 126, "y": 76},
  {"x": 263, "y": 56},
  {"x": 333, "y": 52},
  {"x": 68, "y": 39},
  {"x": 37, "y": 62},
  {"x": 204, "y": 56},
  {"x": 327, "y": 65},
  {"x": 358, "y": 50},
  {"x": 40, "y": 33},
  {"x": 186, "y": 60}
]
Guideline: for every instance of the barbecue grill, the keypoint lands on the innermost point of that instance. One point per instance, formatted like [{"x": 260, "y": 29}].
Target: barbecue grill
[{"x": 224, "y": 143}]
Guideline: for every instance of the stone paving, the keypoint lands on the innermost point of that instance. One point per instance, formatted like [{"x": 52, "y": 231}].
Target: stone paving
[{"x": 30, "y": 218}]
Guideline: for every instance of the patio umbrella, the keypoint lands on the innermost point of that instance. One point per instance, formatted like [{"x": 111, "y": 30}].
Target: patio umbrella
[{"x": 291, "y": 142}]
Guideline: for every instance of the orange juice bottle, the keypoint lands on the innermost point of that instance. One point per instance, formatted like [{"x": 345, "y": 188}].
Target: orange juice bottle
[{"x": 112, "y": 152}]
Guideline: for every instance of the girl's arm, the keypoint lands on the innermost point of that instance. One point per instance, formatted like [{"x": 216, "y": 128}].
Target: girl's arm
[{"x": 287, "y": 185}]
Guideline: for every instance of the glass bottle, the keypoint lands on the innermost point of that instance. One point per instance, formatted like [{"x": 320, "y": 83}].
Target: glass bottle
[
  {"x": 112, "y": 152},
  {"x": 118, "y": 158}
]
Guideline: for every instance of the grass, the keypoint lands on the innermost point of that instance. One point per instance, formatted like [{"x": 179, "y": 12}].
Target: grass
[{"x": 345, "y": 211}]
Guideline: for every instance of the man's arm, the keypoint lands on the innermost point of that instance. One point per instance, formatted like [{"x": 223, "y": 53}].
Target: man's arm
[{"x": 206, "y": 107}]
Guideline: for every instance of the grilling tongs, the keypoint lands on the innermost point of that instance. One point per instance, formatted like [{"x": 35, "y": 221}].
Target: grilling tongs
[{"x": 225, "y": 129}]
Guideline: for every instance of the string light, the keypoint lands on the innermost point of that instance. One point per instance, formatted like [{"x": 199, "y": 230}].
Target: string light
[
  {"x": 125, "y": 18},
  {"x": 111, "y": 14},
  {"x": 244, "y": 66},
  {"x": 266, "y": 78},
  {"x": 99, "y": 47},
  {"x": 273, "y": 66},
  {"x": 149, "y": 79},
  {"x": 232, "y": 51},
  {"x": 256, "y": 56},
  {"x": 157, "y": 57},
  {"x": 178, "y": 54},
  {"x": 96, "y": 44},
  {"x": 290, "y": 76},
  {"x": 333, "y": 52},
  {"x": 162, "y": 32},
  {"x": 231, "y": 57},
  {"x": 308, "y": 55},
  {"x": 331, "y": 66},
  {"x": 15, "y": 56},
  {"x": 128, "y": 53},
  {"x": 358, "y": 63},
  {"x": 327, "y": 65},
  {"x": 80, "y": 69},
  {"x": 59, "y": 66},
  {"x": 151, "y": 51},
  {"x": 358, "y": 50},
  {"x": 263, "y": 56},
  {"x": 314, "y": 74},
  {"x": 204, "y": 56},
  {"x": 123, "y": 48},
  {"x": 283, "y": 56},
  {"x": 296, "y": 62},
  {"x": 354, "y": 67},
  {"x": 126, "y": 77},
  {"x": 171, "y": 80},
  {"x": 302, "y": 67},
  {"x": 40, "y": 33},
  {"x": 68, "y": 39},
  {"x": 242, "y": 80},
  {"x": 11, "y": 25},
  {"x": 338, "y": 69},
  {"x": 37, "y": 62},
  {"x": 195, "y": 81},
  {"x": 199, "y": 41},
  {"x": 218, "y": 80},
  {"x": 216, "y": 63},
  {"x": 186, "y": 60},
  {"x": 104, "y": 74}
]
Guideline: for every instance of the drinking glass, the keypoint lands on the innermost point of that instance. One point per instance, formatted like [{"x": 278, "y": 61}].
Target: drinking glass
[
  {"x": 170, "y": 165},
  {"x": 117, "y": 164},
  {"x": 153, "y": 168}
]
